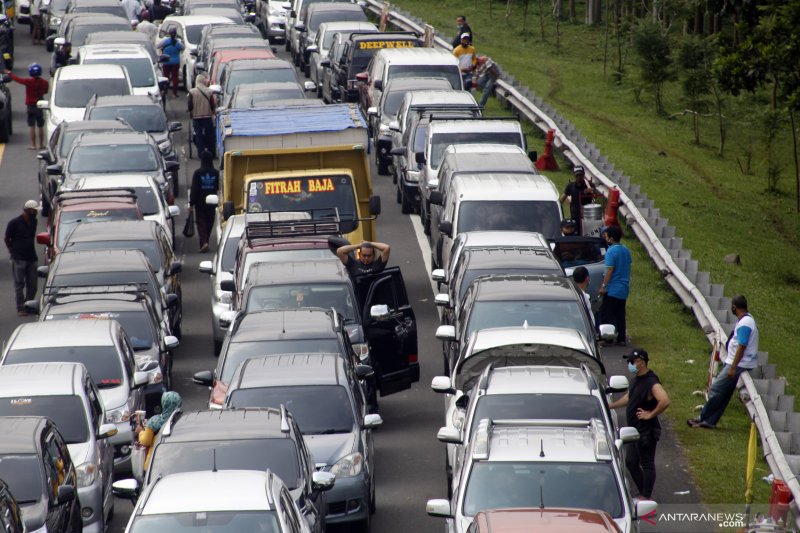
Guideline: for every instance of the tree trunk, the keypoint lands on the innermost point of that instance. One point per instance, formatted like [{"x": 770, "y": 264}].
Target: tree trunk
[
  {"x": 796, "y": 165},
  {"x": 558, "y": 9},
  {"x": 605, "y": 40},
  {"x": 722, "y": 131},
  {"x": 573, "y": 17},
  {"x": 699, "y": 18},
  {"x": 592, "y": 12},
  {"x": 541, "y": 18}
]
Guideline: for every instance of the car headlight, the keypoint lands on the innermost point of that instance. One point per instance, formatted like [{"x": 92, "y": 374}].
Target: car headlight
[
  {"x": 117, "y": 416},
  {"x": 222, "y": 297},
  {"x": 164, "y": 146},
  {"x": 457, "y": 418},
  {"x": 362, "y": 351},
  {"x": 55, "y": 21},
  {"x": 42, "y": 529},
  {"x": 348, "y": 466},
  {"x": 87, "y": 473}
]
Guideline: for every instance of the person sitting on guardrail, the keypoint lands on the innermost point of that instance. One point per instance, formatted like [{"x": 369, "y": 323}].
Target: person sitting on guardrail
[
  {"x": 616, "y": 283},
  {"x": 742, "y": 356},
  {"x": 367, "y": 262},
  {"x": 467, "y": 59}
]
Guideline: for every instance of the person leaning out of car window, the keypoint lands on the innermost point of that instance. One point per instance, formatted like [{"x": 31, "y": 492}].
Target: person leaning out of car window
[{"x": 171, "y": 401}]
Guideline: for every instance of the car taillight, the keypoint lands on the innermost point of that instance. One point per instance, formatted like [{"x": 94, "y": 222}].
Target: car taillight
[{"x": 412, "y": 358}]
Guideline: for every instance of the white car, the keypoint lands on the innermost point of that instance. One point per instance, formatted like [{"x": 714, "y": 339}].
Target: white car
[
  {"x": 189, "y": 28},
  {"x": 136, "y": 60},
  {"x": 211, "y": 500},
  {"x": 22, "y": 11},
  {"x": 148, "y": 195},
  {"x": 73, "y": 86}
]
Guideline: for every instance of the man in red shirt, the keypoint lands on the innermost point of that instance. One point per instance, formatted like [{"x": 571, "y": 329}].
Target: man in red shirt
[{"x": 35, "y": 88}]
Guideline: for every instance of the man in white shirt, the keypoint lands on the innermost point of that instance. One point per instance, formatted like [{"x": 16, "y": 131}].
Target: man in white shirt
[
  {"x": 742, "y": 357},
  {"x": 132, "y": 9}
]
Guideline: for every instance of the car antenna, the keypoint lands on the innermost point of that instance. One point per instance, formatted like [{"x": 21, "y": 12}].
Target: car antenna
[
  {"x": 541, "y": 448},
  {"x": 214, "y": 460},
  {"x": 283, "y": 322},
  {"x": 541, "y": 496}
]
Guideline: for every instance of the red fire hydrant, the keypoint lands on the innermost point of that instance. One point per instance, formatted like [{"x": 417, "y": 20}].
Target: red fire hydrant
[{"x": 547, "y": 161}]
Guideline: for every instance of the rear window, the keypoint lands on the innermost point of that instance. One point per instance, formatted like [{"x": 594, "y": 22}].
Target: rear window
[
  {"x": 24, "y": 474},
  {"x": 76, "y": 93},
  {"x": 68, "y": 412},
  {"x": 241, "y": 351},
  {"x": 510, "y": 215},
  {"x": 78, "y": 37},
  {"x": 113, "y": 159},
  {"x": 441, "y": 141},
  {"x": 102, "y": 362},
  {"x": 449, "y": 72},
  {"x": 150, "y": 248},
  {"x": 335, "y": 16},
  {"x": 69, "y": 219}
]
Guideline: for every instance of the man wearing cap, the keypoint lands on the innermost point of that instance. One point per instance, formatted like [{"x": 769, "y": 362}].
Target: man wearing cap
[
  {"x": 742, "y": 356},
  {"x": 467, "y": 59},
  {"x": 644, "y": 401},
  {"x": 20, "y": 235},
  {"x": 579, "y": 193}
]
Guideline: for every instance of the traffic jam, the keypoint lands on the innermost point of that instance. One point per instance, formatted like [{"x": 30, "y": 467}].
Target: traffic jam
[{"x": 305, "y": 122}]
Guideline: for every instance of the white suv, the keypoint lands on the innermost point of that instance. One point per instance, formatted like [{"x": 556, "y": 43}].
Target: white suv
[
  {"x": 136, "y": 60},
  {"x": 541, "y": 463}
]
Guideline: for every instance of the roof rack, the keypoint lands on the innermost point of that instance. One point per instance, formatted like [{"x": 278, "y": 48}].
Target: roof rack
[
  {"x": 167, "y": 429},
  {"x": 294, "y": 224},
  {"x": 284, "y": 419},
  {"x": 384, "y": 33},
  {"x": 85, "y": 194},
  {"x": 133, "y": 289}
]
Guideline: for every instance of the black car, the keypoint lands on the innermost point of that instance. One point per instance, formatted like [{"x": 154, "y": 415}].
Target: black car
[
  {"x": 242, "y": 439},
  {"x": 307, "y": 330},
  {"x": 37, "y": 468},
  {"x": 350, "y": 57},
  {"x": 316, "y": 15},
  {"x": 6, "y": 126},
  {"x": 375, "y": 306},
  {"x": 58, "y": 148},
  {"x": 111, "y": 267},
  {"x": 145, "y": 114},
  {"x": 120, "y": 153}
]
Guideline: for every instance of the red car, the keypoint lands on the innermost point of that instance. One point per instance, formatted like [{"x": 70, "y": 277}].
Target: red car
[{"x": 545, "y": 520}]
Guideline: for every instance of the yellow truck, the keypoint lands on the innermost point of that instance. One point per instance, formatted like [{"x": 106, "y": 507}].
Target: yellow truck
[{"x": 297, "y": 158}]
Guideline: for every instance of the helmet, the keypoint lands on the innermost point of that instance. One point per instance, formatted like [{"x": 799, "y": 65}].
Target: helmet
[
  {"x": 144, "y": 15},
  {"x": 35, "y": 69}
]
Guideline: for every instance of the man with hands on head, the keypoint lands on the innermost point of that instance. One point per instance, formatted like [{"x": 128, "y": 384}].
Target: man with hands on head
[{"x": 372, "y": 257}]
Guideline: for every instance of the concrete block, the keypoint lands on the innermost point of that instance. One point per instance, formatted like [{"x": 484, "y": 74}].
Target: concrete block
[
  {"x": 703, "y": 277},
  {"x": 717, "y": 289},
  {"x": 668, "y": 231},
  {"x": 763, "y": 357},
  {"x": 785, "y": 440},
  {"x": 778, "y": 420},
  {"x": 704, "y": 288},
  {"x": 691, "y": 268},
  {"x": 793, "y": 422},
  {"x": 770, "y": 402},
  {"x": 785, "y": 401},
  {"x": 777, "y": 386}
]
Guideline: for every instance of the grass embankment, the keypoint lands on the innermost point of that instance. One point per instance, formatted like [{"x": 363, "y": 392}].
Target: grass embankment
[{"x": 715, "y": 208}]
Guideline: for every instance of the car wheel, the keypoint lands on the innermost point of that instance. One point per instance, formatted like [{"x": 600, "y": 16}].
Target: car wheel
[
  {"x": 5, "y": 132},
  {"x": 363, "y": 526},
  {"x": 307, "y": 70},
  {"x": 48, "y": 45}
]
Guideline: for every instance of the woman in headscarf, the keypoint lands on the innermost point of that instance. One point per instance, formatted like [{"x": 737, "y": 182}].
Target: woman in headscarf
[{"x": 170, "y": 402}]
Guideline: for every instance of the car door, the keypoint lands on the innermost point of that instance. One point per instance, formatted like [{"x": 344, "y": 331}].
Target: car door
[
  {"x": 311, "y": 503},
  {"x": 289, "y": 512},
  {"x": 392, "y": 338},
  {"x": 105, "y": 454}
]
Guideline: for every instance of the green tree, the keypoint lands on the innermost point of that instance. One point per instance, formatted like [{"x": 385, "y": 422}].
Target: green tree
[
  {"x": 652, "y": 47},
  {"x": 695, "y": 59}
]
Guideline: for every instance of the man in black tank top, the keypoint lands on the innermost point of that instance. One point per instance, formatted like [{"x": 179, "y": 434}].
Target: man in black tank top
[{"x": 644, "y": 401}]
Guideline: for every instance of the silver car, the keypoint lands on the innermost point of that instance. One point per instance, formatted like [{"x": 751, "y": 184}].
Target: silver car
[
  {"x": 65, "y": 393},
  {"x": 103, "y": 348}
]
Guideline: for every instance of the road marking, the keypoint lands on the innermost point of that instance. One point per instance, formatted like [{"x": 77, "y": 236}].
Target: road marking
[{"x": 424, "y": 248}]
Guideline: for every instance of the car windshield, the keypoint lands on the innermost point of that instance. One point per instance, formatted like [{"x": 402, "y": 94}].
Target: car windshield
[
  {"x": 496, "y": 485},
  {"x": 510, "y": 215},
  {"x": 192, "y": 33},
  {"x": 107, "y": 10},
  {"x": 471, "y": 275},
  {"x": 248, "y": 99},
  {"x": 76, "y": 93},
  {"x": 318, "y": 409},
  {"x": 334, "y": 16},
  {"x": 449, "y": 72},
  {"x": 67, "y": 412},
  {"x": 572, "y": 254},
  {"x": 391, "y": 103},
  {"x": 536, "y": 407},
  {"x": 68, "y": 136},
  {"x": 137, "y": 325},
  {"x": 325, "y": 194},
  {"x": 283, "y": 256},
  {"x": 260, "y": 75},
  {"x": 241, "y": 351},
  {"x": 147, "y": 200},
  {"x": 208, "y": 522},
  {"x": 140, "y": 69},
  {"x": 24, "y": 474},
  {"x": 57, "y": 7},
  {"x": 102, "y": 362},
  {"x": 69, "y": 219},
  {"x": 113, "y": 159},
  {"x": 536, "y": 313},
  {"x": 149, "y": 247},
  {"x": 144, "y": 118},
  {"x": 79, "y": 33},
  {"x": 441, "y": 141},
  {"x": 277, "y": 454},
  {"x": 324, "y": 295}
]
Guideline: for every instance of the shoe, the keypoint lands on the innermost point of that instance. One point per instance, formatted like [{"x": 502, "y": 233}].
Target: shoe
[
  {"x": 204, "y": 248},
  {"x": 693, "y": 422},
  {"x": 706, "y": 425}
]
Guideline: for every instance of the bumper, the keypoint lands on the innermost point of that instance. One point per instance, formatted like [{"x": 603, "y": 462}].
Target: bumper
[
  {"x": 410, "y": 190},
  {"x": 216, "y": 310},
  {"x": 276, "y": 30},
  {"x": 122, "y": 442},
  {"x": 92, "y": 497},
  {"x": 348, "y": 500}
]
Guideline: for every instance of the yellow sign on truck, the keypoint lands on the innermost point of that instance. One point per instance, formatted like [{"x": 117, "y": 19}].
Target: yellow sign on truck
[{"x": 295, "y": 158}]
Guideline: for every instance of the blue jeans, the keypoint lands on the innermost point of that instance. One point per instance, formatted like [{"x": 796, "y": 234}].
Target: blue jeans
[
  {"x": 487, "y": 91},
  {"x": 720, "y": 394}
]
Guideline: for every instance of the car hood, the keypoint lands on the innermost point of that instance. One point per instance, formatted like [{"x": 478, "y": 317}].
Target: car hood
[
  {"x": 114, "y": 397},
  {"x": 159, "y": 136},
  {"x": 34, "y": 514},
  {"x": 79, "y": 452},
  {"x": 327, "y": 449},
  {"x": 67, "y": 114}
]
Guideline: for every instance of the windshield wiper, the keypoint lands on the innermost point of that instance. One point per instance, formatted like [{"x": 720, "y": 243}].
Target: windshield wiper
[{"x": 331, "y": 431}]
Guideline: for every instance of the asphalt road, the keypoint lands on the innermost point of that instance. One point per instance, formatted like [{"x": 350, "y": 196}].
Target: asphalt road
[{"x": 410, "y": 461}]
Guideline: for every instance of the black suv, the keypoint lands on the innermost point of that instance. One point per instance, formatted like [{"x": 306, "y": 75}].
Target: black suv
[
  {"x": 352, "y": 57},
  {"x": 243, "y": 439},
  {"x": 36, "y": 465},
  {"x": 306, "y": 330},
  {"x": 144, "y": 114},
  {"x": 377, "y": 305}
]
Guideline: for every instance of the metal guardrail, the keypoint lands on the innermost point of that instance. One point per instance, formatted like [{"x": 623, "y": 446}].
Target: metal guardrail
[{"x": 689, "y": 293}]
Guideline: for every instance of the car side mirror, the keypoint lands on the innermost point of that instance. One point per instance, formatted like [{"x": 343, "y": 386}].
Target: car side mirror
[
  {"x": 446, "y": 227},
  {"x": 617, "y": 384},
  {"x": 325, "y": 63},
  {"x": 227, "y": 285},
  {"x": 126, "y": 488},
  {"x": 312, "y": 48},
  {"x": 439, "y": 508},
  {"x": 608, "y": 332},
  {"x": 628, "y": 434},
  {"x": 378, "y": 85},
  {"x": 364, "y": 371},
  {"x": 643, "y": 508},
  {"x": 439, "y": 274},
  {"x": 206, "y": 267},
  {"x": 193, "y": 53},
  {"x": 322, "y": 481},
  {"x": 175, "y": 126},
  {"x": 419, "y": 157},
  {"x": 212, "y": 199},
  {"x": 372, "y": 421},
  {"x": 140, "y": 379},
  {"x": 148, "y": 365},
  {"x": 175, "y": 268},
  {"x": 173, "y": 211},
  {"x": 449, "y": 435},
  {"x": 442, "y": 299},
  {"x": 442, "y": 385},
  {"x": 375, "y": 205},
  {"x": 446, "y": 333},
  {"x": 372, "y": 111},
  {"x": 106, "y": 430},
  {"x": 362, "y": 77},
  {"x": 379, "y": 313},
  {"x": 43, "y": 271},
  {"x": 172, "y": 299},
  {"x": 32, "y": 307},
  {"x": 437, "y": 198},
  {"x": 309, "y": 86},
  {"x": 66, "y": 493},
  {"x": 398, "y": 150},
  {"x": 43, "y": 238},
  {"x": 59, "y": 41},
  {"x": 204, "y": 377},
  {"x": 292, "y": 13},
  {"x": 215, "y": 89},
  {"x": 171, "y": 342},
  {"x": 55, "y": 170}
]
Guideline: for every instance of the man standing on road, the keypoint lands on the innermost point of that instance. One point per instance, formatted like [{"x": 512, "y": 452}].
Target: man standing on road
[
  {"x": 20, "y": 235},
  {"x": 366, "y": 263},
  {"x": 201, "y": 109},
  {"x": 742, "y": 357},
  {"x": 644, "y": 401},
  {"x": 581, "y": 278},
  {"x": 579, "y": 192},
  {"x": 35, "y": 89},
  {"x": 160, "y": 11},
  {"x": 146, "y": 26},
  {"x": 616, "y": 283},
  {"x": 205, "y": 181},
  {"x": 463, "y": 27}
]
